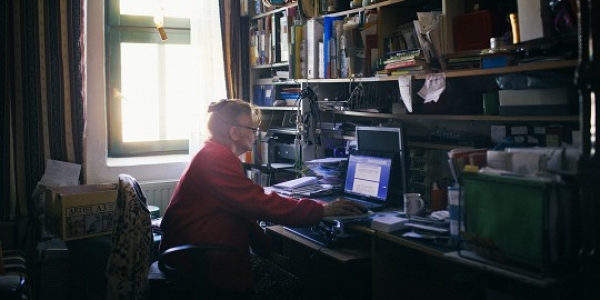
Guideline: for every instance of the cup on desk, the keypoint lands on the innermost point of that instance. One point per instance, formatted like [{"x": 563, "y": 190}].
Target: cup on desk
[{"x": 413, "y": 204}]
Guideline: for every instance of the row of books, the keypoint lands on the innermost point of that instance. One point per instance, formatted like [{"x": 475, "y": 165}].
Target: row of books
[
  {"x": 264, "y": 34},
  {"x": 331, "y": 47},
  {"x": 403, "y": 63}
]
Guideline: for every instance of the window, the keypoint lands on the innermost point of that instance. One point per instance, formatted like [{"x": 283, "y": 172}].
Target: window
[{"x": 158, "y": 89}]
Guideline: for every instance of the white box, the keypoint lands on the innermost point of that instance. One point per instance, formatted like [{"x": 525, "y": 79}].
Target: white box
[
  {"x": 533, "y": 20},
  {"x": 388, "y": 223},
  {"x": 554, "y": 96}
]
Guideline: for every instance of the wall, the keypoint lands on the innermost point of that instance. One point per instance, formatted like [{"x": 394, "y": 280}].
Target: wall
[{"x": 98, "y": 168}]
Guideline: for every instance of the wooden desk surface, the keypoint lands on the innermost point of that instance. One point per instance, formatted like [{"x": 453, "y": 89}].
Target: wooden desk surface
[{"x": 342, "y": 254}]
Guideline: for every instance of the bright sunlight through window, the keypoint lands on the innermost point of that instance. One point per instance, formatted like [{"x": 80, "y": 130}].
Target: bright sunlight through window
[{"x": 159, "y": 87}]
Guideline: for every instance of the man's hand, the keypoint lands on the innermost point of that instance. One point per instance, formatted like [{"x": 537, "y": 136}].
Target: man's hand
[{"x": 341, "y": 207}]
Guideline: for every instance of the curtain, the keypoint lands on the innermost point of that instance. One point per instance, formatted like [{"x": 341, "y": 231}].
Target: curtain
[
  {"x": 209, "y": 75},
  {"x": 235, "y": 50},
  {"x": 43, "y": 107}
]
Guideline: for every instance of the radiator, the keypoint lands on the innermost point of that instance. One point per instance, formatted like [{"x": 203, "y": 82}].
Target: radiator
[{"x": 158, "y": 192}]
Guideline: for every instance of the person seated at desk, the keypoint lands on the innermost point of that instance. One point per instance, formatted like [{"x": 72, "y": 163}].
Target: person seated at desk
[{"x": 215, "y": 202}]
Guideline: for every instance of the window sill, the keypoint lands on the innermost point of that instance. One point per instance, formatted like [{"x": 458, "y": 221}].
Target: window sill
[{"x": 147, "y": 160}]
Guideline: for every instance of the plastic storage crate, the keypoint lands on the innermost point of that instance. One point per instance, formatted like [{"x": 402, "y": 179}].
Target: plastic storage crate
[{"x": 522, "y": 223}]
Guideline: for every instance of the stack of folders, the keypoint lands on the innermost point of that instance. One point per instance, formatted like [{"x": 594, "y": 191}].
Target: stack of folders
[
  {"x": 429, "y": 227},
  {"x": 461, "y": 159},
  {"x": 303, "y": 186}
]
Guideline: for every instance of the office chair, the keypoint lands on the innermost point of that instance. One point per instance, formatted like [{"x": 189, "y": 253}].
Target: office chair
[
  {"x": 169, "y": 282},
  {"x": 131, "y": 272}
]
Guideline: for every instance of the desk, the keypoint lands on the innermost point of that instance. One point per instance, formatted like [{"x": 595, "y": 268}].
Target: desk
[
  {"x": 414, "y": 269},
  {"x": 340, "y": 254},
  {"x": 339, "y": 273}
]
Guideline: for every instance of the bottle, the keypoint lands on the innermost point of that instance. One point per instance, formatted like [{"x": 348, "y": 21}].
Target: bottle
[
  {"x": 437, "y": 198},
  {"x": 514, "y": 24}
]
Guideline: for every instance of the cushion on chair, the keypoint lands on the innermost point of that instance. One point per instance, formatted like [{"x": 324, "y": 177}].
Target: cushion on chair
[{"x": 14, "y": 283}]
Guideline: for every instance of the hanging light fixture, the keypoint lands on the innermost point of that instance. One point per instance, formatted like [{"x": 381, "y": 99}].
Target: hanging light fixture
[{"x": 159, "y": 22}]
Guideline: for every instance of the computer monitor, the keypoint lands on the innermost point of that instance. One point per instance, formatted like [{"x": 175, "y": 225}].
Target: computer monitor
[
  {"x": 368, "y": 176},
  {"x": 386, "y": 140}
]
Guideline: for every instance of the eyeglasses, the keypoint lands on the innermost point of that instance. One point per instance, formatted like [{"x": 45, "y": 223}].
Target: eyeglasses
[{"x": 254, "y": 130}]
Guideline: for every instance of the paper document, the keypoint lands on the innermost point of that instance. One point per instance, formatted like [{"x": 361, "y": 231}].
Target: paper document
[
  {"x": 296, "y": 183},
  {"x": 60, "y": 173},
  {"x": 328, "y": 160},
  {"x": 405, "y": 94},
  {"x": 435, "y": 84}
]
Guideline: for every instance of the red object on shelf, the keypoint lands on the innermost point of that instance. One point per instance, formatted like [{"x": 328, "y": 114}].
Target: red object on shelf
[{"x": 472, "y": 31}]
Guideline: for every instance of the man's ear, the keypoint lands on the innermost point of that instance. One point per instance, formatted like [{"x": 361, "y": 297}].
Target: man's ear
[{"x": 234, "y": 133}]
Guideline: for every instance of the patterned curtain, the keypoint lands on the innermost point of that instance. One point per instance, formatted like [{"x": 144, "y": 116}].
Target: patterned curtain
[
  {"x": 43, "y": 106},
  {"x": 235, "y": 50}
]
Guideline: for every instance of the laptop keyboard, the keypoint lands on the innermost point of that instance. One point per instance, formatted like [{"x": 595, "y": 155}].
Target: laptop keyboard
[{"x": 368, "y": 205}]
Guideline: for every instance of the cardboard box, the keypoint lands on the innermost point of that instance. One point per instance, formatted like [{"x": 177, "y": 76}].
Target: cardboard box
[
  {"x": 552, "y": 101},
  {"x": 81, "y": 211}
]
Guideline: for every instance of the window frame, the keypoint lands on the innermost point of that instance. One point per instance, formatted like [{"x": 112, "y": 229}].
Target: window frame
[{"x": 139, "y": 29}]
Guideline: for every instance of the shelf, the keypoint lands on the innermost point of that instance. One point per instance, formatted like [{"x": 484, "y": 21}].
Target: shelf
[
  {"x": 359, "y": 9},
  {"x": 274, "y": 11},
  {"x": 438, "y": 146},
  {"x": 534, "y": 66},
  {"x": 570, "y": 118},
  {"x": 273, "y": 65},
  {"x": 426, "y": 145},
  {"x": 270, "y": 81},
  {"x": 283, "y": 108}
]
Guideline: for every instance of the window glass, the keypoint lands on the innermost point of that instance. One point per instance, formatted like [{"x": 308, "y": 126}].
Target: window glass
[{"x": 159, "y": 88}]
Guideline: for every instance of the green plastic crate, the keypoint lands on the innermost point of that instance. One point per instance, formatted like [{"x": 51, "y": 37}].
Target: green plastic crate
[{"x": 517, "y": 221}]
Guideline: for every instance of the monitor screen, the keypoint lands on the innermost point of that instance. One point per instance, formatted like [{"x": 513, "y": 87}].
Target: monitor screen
[
  {"x": 368, "y": 176},
  {"x": 385, "y": 142},
  {"x": 379, "y": 139}
]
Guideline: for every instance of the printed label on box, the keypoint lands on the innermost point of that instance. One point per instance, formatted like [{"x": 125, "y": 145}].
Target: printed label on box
[{"x": 85, "y": 220}]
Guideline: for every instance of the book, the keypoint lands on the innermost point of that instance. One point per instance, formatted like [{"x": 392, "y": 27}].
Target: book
[
  {"x": 254, "y": 57},
  {"x": 405, "y": 64},
  {"x": 314, "y": 34},
  {"x": 297, "y": 68},
  {"x": 284, "y": 38},
  {"x": 275, "y": 40},
  {"x": 328, "y": 32},
  {"x": 335, "y": 50}
]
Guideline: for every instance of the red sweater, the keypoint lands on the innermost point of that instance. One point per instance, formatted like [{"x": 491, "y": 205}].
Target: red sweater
[{"x": 215, "y": 202}]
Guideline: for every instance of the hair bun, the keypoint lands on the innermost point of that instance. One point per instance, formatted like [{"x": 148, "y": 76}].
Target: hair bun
[{"x": 217, "y": 105}]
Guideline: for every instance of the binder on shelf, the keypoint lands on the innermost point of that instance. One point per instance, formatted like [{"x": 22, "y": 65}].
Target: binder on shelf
[
  {"x": 314, "y": 35},
  {"x": 257, "y": 95},
  {"x": 284, "y": 37},
  {"x": 328, "y": 31},
  {"x": 335, "y": 50},
  {"x": 275, "y": 39},
  {"x": 268, "y": 95},
  {"x": 352, "y": 44},
  {"x": 297, "y": 67}
]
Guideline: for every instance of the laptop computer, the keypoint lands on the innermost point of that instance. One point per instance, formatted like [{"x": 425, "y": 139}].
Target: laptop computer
[{"x": 368, "y": 180}]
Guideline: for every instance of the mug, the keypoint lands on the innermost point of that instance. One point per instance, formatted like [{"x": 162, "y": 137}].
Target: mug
[{"x": 413, "y": 204}]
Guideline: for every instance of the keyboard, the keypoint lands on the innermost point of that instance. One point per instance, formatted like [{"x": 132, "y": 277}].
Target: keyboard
[
  {"x": 310, "y": 234},
  {"x": 322, "y": 234}
]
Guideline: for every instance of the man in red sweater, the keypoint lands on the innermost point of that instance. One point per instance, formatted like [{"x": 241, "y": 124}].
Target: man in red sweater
[{"x": 216, "y": 203}]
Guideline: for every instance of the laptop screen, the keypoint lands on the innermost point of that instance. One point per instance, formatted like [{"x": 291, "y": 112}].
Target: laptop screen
[{"x": 368, "y": 176}]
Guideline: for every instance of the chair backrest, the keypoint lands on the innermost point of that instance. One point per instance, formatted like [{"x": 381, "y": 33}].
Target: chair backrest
[{"x": 131, "y": 251}]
